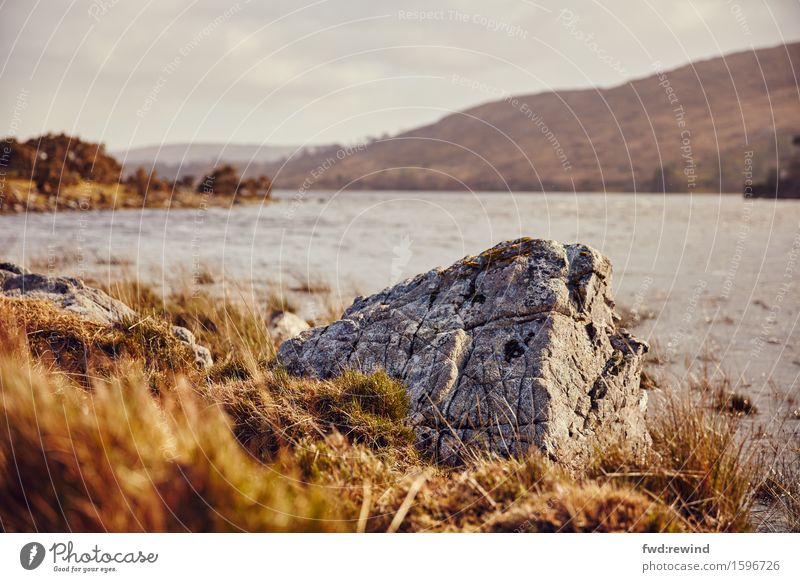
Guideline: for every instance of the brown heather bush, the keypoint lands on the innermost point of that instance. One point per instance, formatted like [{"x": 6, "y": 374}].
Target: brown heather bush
[{"x": 83, "y": 349}]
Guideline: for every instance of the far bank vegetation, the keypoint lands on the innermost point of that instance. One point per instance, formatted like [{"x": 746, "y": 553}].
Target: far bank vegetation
[{"x": 62, "y": 172}]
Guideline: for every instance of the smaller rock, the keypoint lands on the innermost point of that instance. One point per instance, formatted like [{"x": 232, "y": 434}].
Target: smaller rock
[
  {"x": 12, "y": 268},
  {"x": 9, "y": 270},
  {"x": 202, "y": 355},
  {"x": 285, "y": 325},
  {"x": 184, "y": 335}
]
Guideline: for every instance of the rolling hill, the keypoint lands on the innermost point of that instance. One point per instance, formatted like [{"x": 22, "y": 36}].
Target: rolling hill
[
  {"x": 687, "y": 129},
  {"x": 179, "y": 159}
]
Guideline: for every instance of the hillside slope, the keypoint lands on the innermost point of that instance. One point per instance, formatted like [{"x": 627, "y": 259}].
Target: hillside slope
[
  {"x": 174, "y": 160},
  {"x": 688, "y": 129}
]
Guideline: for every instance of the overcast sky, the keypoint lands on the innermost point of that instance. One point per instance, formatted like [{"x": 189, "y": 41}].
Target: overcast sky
[{"x": 295, "y": 72}]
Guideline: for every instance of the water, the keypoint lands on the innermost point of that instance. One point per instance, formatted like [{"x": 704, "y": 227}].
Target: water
[{"x": 718, "y": 274}]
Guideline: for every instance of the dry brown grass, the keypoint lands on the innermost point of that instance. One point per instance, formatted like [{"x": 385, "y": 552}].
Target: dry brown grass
[
  {"x": 234, "y": 330},
  {"x": 529, "y": 495},
  {"x": 699, "y": 464},
  {"x": 250, "y": 447},
  {"x": 328, "y": 311},
  {"x": 779, "y": 489},
  {"x": 311, "y": 283},
  {"x": 116, "y": 459},
  {"x": 280, "y": 300}
]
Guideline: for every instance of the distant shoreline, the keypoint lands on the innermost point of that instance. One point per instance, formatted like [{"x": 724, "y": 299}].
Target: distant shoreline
[
  {"x": 21, "y": 196},
  {"x": 119, "y": 197},
  {"x": 279, "y": 190}
]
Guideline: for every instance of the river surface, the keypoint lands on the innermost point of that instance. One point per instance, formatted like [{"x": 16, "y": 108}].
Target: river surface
[{"x": 716, "y": 277}]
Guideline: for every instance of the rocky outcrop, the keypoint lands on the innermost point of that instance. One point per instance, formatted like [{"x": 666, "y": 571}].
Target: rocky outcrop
[
  {"x": 66, "y": 293},
  {"x": 284, "y": 325},
  {"x": 514, "y": 348},
  {"x": 74, "y": 296}
]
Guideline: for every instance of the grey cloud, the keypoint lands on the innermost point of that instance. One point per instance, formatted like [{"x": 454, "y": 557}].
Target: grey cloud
[{"x": 138, "y": 73}]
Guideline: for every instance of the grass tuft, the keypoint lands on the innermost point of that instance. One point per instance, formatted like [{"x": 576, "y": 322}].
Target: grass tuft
[
  {"x": 278, "y": 411},
  {"x": 736, "y": 405},
  {"x": 698, "y": 465}
]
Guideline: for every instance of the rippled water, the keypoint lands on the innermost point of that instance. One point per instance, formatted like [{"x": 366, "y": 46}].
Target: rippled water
[{"x": 718, "y": 273}]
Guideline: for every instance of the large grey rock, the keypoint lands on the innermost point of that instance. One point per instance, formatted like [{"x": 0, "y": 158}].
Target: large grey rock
[
  {"x": 75, "y": 296},
  {"x": 516, "y": 347}
]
